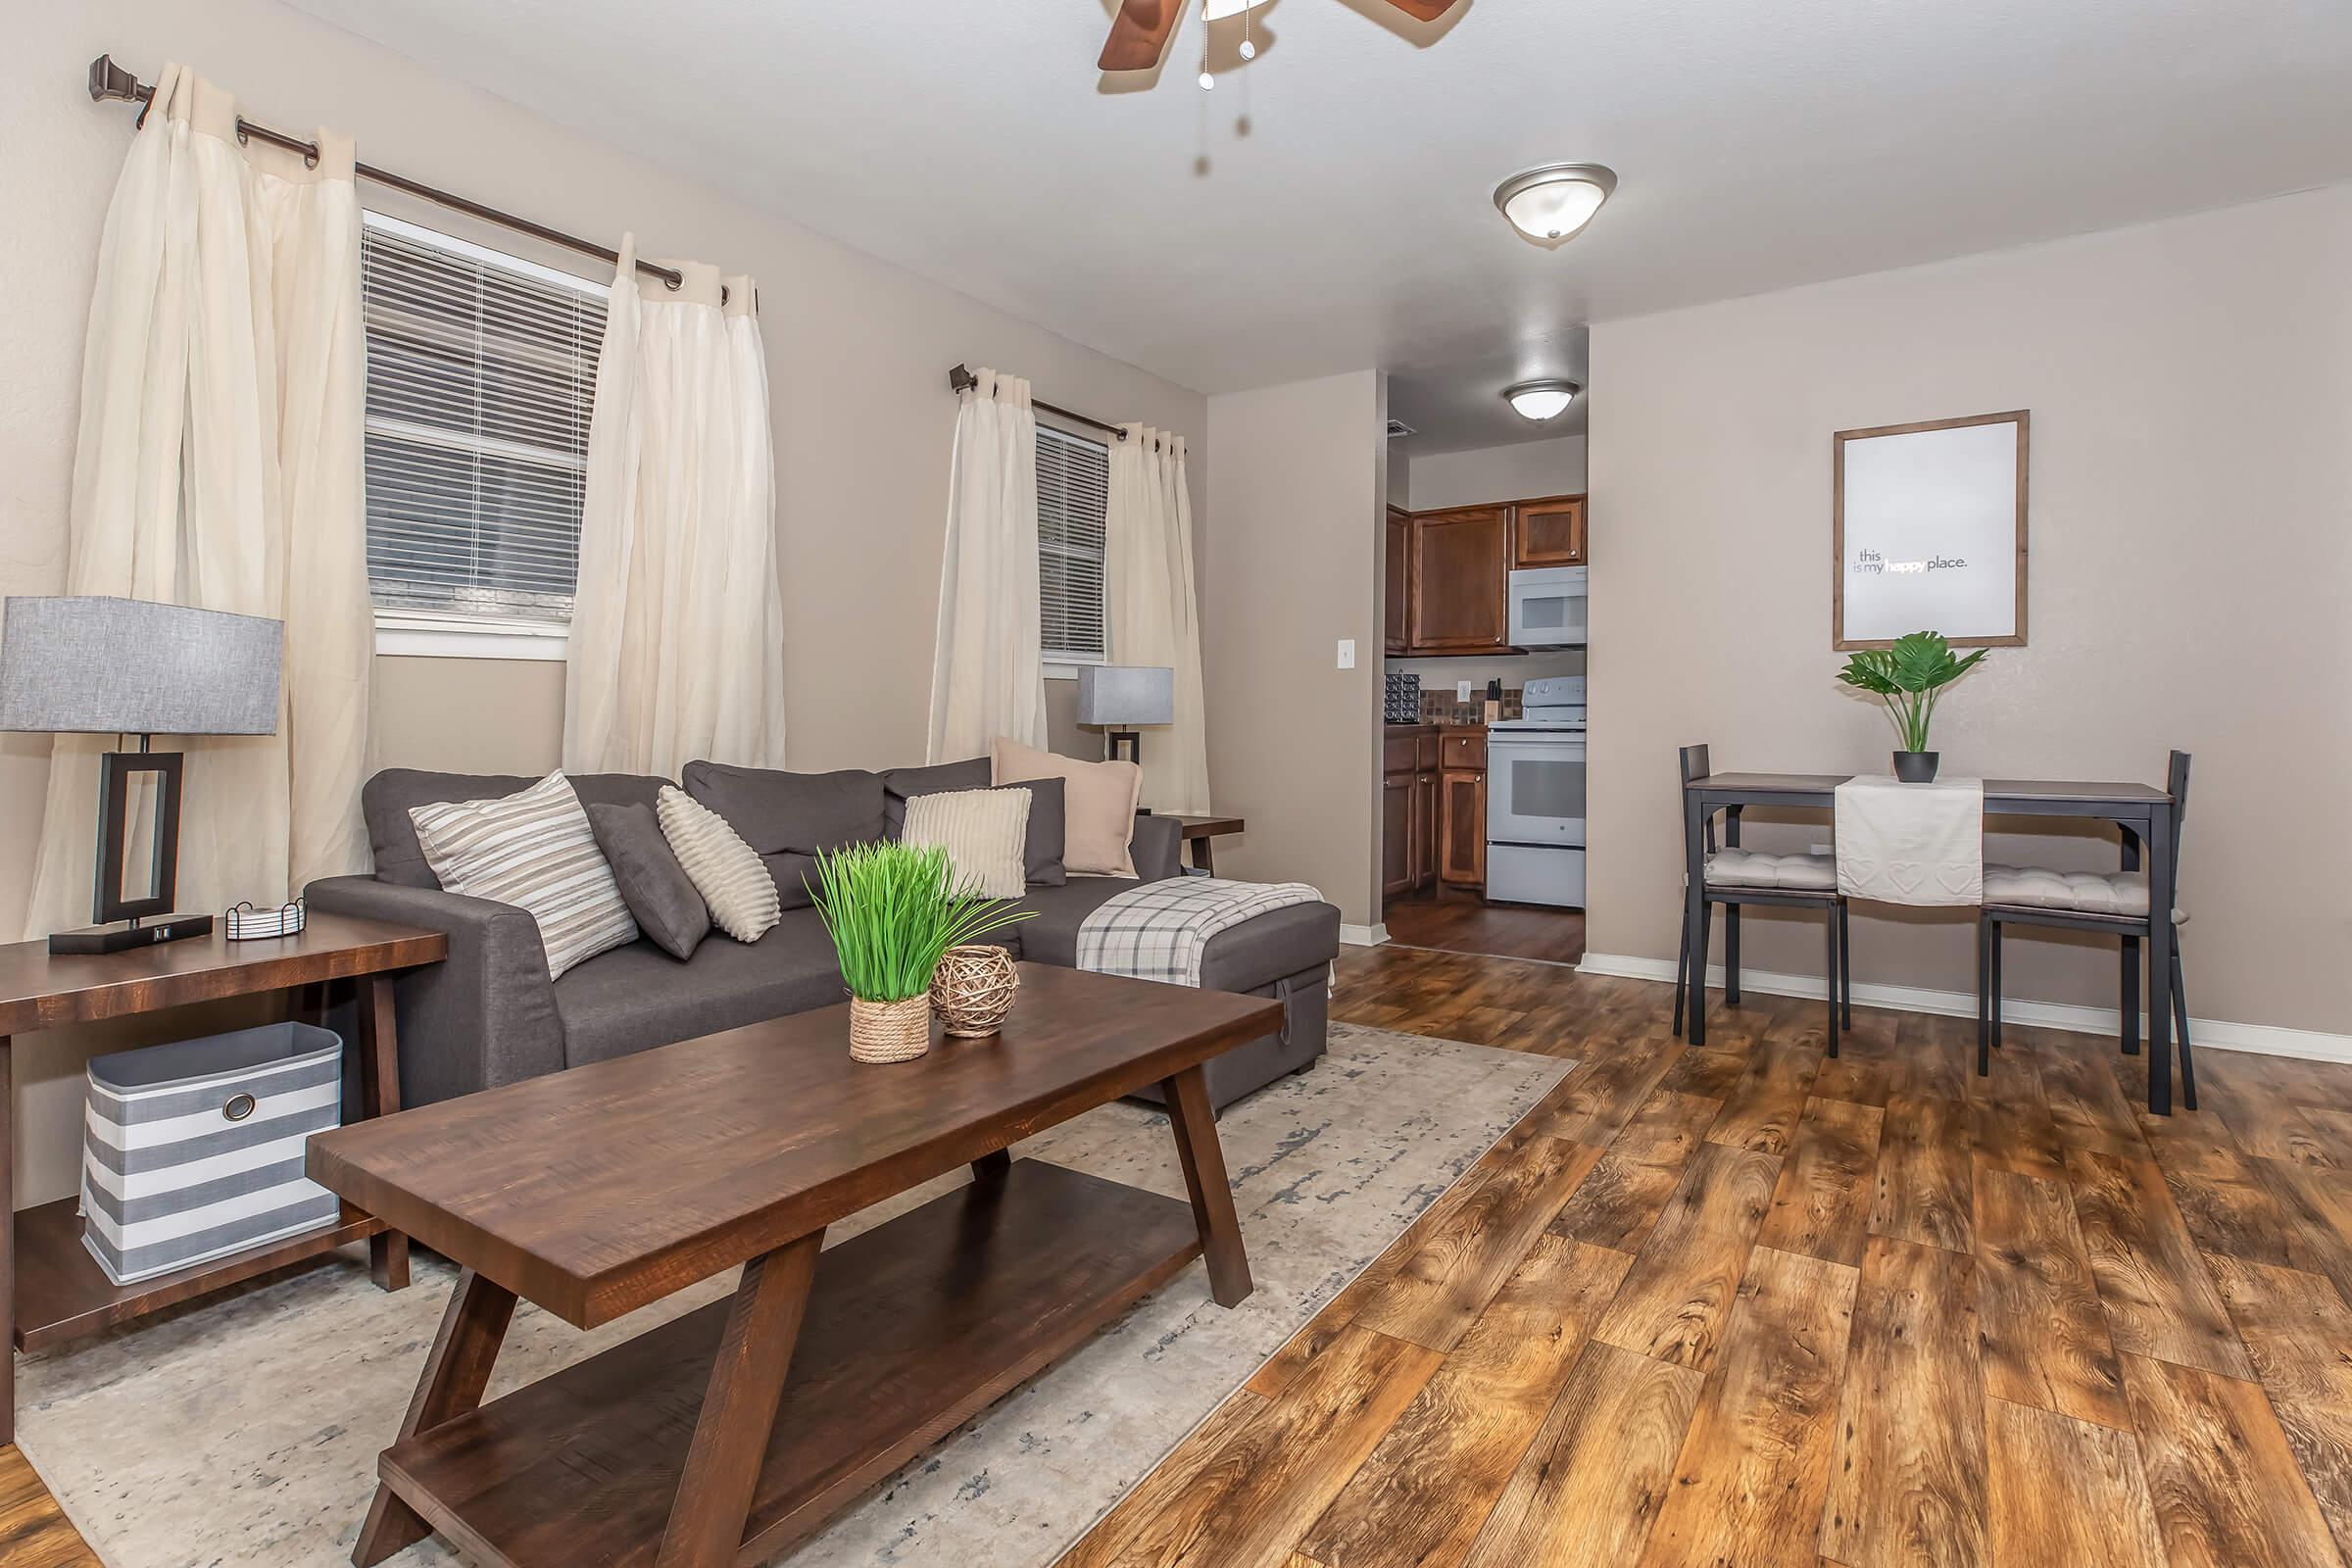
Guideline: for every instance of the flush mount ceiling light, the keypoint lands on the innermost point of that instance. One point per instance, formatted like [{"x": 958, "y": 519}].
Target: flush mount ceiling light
[
  {"x": 1541, "y": 400},
  {"x": 1550, "y": 204}
]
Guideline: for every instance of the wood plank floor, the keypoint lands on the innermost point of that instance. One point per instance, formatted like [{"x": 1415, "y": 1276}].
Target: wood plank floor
[
  {"x": 1455, "y": 922},
  {"x": 1746, "y": 1307},
  {"x": 1783, "y": 1310}
]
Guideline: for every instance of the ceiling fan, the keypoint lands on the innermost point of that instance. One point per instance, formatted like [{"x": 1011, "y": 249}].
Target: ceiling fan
[{"x": 1139, "y": 34}]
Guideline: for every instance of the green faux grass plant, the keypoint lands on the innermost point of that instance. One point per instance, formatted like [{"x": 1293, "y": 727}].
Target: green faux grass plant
[{"x": 892, "y": 909}]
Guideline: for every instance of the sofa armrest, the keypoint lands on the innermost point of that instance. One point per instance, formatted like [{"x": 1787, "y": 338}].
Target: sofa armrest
[
  {"x": 1157, "y": 846},
  {"x": 483, "y": 1016}
]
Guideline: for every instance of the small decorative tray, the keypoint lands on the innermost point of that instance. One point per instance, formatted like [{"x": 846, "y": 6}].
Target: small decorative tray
[{"x": 247, "y": 923}]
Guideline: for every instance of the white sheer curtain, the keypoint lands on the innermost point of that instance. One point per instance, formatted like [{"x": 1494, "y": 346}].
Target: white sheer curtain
[
  {"x": 677, "y": 626},
  {"x": 987, "y": 675},
  {"x": 1155, "y": 610},
  {"x": 218, "y": 465}
]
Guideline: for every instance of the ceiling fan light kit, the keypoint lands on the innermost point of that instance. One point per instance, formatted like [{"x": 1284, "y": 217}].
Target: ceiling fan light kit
[
  {"x": 1546, "y": 398},
  {"x": 1140, "y": 32},
  {"x": 1552, "y": 205}
]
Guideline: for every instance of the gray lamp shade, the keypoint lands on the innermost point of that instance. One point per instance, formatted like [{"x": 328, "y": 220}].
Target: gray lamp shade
[
  {"x": 132, "y": 667},
  {"x": 1119, "y": 695}
]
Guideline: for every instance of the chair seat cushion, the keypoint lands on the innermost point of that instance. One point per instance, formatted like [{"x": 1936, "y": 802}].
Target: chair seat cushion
[
  {"x": 1750, "y": 868},
  {"x": 2037, "y": 887}
]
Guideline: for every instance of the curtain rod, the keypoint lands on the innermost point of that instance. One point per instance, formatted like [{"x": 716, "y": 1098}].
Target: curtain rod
[
  {"x": 109, "y": 80},
  {"x": 961, "y": 379}
]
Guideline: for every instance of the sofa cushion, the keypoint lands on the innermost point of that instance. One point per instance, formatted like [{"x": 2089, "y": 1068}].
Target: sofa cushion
[
  {"x": 903, "y": 784},
  {"x": 981, "y": 832},
  {"x": 386, "y": 800},
  {"x": 661, "y": 896},
  {"x": 1041, "y": 851},
  {"x": 733, "y": 882},
  {"x": 1098, "y": 801},
  {"x": 534, "y": 849},
  {"x": 637, "y": 996},
  {"x": 788, "y": 818}
]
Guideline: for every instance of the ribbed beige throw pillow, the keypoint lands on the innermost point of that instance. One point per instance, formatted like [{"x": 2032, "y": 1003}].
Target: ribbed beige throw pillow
[
  {"x": 983, "y": 831},
  {"x": 534, "y": 849},
  {"x": 725, "y": 870}
]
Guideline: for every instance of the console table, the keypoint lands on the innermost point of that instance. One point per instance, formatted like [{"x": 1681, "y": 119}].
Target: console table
[
  {"x": 1201, "y": 832},
  {"x": 51, "y": 1289}
]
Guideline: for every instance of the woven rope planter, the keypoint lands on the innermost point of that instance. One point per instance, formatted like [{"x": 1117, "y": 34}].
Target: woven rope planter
[
  {"x": 889, "y": 1031},
  {"x": 972, "y": 990}
]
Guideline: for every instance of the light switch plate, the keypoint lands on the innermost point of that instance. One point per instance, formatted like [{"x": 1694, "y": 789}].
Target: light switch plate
[
  {"x": 1347, "y": 653},
  {"x": 1462, "y": 691}
]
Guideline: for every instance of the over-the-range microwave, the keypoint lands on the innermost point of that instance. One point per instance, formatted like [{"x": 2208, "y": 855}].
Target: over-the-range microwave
[{"x": 1548, "y": 608}]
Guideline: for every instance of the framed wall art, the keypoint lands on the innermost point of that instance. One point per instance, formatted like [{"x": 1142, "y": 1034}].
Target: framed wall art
[{"x": 1930, "y": 532}]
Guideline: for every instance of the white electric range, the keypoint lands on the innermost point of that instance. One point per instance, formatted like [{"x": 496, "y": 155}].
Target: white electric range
[{"x": 1536, "y": 797}]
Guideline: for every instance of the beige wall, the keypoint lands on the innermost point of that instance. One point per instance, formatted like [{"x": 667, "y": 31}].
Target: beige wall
[
  {"x": 1293, "y": 742},
  {"x": 1519, "y": 472},
  {"x": 2192, "y": 534},
  {"x": 857, "y": 358}
]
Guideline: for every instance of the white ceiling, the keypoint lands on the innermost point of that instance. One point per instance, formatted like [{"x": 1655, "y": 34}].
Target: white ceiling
[
  {"x": 1329, "y": 206},
  {"x": 1458, "y": 407}
]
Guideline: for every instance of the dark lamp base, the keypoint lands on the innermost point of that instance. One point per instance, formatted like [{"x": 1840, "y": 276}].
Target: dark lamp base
[{"x": 121, "y": 936}]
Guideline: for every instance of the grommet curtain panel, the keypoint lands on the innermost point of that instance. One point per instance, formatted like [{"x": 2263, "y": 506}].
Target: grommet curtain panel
[
  {"x": 1155, "y": 606},
  {"x": 677, "y": 650},
  {"x": 987, "y": 675},
  {"x": 218, "y": 464}
]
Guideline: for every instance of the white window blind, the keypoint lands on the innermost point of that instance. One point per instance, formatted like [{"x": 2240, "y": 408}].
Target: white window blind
[
  {"x": 482, "y": 371},
  {"x": 1073, "y": 499}
]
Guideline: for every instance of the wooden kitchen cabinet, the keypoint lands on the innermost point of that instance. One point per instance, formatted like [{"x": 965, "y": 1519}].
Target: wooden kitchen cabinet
[
  {"x": 1396, "y": 834},
  {"x": 1408, "y": 815},
  {"x": 1396, "y": 543},
  {"x": 1462, "y": 836},
  {"x": 1458, "y": 567},
  {"x": 1550, "y": 532}
]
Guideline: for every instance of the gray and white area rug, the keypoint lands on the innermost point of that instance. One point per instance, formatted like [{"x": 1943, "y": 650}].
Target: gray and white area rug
[{"x": 244, "y": 1430}]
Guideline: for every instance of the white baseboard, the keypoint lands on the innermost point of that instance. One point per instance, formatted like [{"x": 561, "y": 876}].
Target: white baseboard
[
  {"x": 2220, "y": 1034},
  {"x": 1372, "y": 936}
]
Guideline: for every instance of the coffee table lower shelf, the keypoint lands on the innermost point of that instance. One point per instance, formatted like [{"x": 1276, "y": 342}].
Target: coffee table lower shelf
[{"x": 911, "y": 1328}]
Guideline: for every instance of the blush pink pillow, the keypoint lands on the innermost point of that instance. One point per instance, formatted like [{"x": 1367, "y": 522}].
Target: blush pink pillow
[{"x": 1098, "y": 801}]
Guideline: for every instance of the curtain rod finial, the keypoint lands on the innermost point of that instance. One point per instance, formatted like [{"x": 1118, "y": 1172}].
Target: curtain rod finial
[{"x": 110, "y": 80}]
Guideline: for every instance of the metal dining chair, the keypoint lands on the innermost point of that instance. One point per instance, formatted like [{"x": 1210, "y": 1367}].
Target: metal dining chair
[
  {"x": 1736, "y": 877},
  {"x": 2119, "y": 902}
]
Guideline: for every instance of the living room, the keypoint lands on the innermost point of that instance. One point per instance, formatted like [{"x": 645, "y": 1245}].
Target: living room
[{"x": 1660, "y": 1238}]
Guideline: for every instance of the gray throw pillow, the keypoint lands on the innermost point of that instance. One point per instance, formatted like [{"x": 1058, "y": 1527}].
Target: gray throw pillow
[
  {"x": 1040, "y": 853},
  {"x": 788, "y": 818},
  {"x": 653, "y": 884}
]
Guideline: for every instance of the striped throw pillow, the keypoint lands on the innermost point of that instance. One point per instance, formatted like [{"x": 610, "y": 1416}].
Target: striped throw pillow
[
  {"x": 533, "y": 850},
  {"x": 983, "y": 831},
  {"x": 725, "y": 870}
]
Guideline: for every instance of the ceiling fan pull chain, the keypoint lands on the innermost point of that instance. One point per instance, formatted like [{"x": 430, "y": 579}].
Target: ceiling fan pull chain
[
  {"x": 1248, "y": 47},
  {"x": 1208, "y": 84}
]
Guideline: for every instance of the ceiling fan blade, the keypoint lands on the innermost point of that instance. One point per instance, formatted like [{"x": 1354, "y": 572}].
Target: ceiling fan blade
[
  {"x": 1139, "y": 34},
  {"x": 1425, "y": 10}
]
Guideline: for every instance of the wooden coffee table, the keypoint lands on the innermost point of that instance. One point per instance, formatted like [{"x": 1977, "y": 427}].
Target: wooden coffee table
[{"x": 726, "y": 1434}]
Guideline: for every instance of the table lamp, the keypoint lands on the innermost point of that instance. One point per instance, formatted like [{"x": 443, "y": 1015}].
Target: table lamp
[
  {"x": 1119, "y": 697},
  {"x": 85, "y": 664}
]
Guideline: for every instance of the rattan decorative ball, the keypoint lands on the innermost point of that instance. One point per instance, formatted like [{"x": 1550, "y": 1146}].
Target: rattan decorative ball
[{"x": 972, "y": 990}]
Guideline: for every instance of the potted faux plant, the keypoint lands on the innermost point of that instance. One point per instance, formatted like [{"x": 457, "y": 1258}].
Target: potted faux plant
[
  {"x": 892, "y": 909},
  {"x": 1910, "y": 677}
]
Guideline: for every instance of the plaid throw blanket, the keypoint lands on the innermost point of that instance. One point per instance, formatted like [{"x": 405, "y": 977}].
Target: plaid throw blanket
[{"x": 1159, "y": 930}]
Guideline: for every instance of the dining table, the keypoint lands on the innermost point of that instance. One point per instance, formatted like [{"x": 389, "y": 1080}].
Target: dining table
[{"x": 2142, "y": 812}]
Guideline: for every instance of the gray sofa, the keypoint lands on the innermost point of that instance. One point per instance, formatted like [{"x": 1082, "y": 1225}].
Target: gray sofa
[{"x": 489, "y": 1015}]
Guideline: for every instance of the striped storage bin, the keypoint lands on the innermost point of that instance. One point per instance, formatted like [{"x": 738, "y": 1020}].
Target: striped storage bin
[{"x": 194, "y": 1150}]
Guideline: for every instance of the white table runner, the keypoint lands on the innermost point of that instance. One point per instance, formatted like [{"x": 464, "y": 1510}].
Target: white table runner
[{"x": 1911, "y": 843}]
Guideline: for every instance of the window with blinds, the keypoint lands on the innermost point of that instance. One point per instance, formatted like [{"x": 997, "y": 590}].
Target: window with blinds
[
  {"x": 1073, "y": 499},
  {"x": 481, "y": 370}
]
